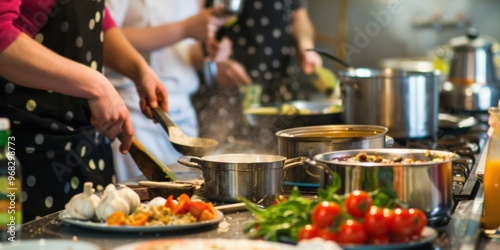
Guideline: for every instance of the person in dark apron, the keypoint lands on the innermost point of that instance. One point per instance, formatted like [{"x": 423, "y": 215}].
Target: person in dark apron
[{"x": 56, "y": 144}]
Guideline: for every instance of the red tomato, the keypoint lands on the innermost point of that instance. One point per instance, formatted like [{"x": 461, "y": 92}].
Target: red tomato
[
  {"x": 401, "y": 223},
  {"x": 358, "y": 203},
  {"x": 326, "y": 214},
  {"x": 308, "y": 232},
  {"x": 352, "y": 232},
  {"x": 327, "y": 235},
  {"x": 376, "y": 222},
  {"x": 280, "y": 199},
  {"x": 420, "y": 220}
]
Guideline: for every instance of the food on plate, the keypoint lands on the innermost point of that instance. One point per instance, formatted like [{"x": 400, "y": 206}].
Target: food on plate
[
  {"x": 172, "y": 212},
  {"x": 130, "y": 196},
  {"x": 430, "y": 157},
  {"x": 87, "y": 205},
  {"x": 359, "y": 217},
  {"x": 82, "y": 206},
  {"x": 111, "y": 202}
]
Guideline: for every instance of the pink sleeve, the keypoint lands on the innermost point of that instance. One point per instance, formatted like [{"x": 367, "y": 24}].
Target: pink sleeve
[
  {"x": 108, "y": 22},
  {"x": 9, "y": 11}
]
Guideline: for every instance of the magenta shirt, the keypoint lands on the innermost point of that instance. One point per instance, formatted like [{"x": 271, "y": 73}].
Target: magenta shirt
[{"x": 28, "y": 16}]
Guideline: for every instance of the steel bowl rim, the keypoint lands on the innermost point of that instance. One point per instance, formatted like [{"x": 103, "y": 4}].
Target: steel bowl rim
[{"x": 349, "y": 153}]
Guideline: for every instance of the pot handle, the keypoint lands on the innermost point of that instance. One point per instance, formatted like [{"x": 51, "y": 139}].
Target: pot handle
[
  {"x": 292, "y": 162},
  {"x": 389, "y": 141},
  {"x": 191, "y": 161},
  {"x": 328, "y": 176}
]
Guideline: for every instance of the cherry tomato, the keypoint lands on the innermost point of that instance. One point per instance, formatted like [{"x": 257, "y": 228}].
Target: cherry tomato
[
  {"x": 170, "y": 203},
  {"x": 197, "y": 207},
  {"x": 326, "y": 214},
  {"x": 352, "y": 232},
  {"x": 401, "y": 223},
  {"x": 358, "y": 203},
  {"x": 308, "y": 232},
  {"x": 376, "y": 223},
  {"x": 327, "y": 235},
  {"x": 280, "y": 199},
  {"x": 420, "y": 220},
  {"x": 117, "y": 218},
  {"x": 139, "y": 219}
]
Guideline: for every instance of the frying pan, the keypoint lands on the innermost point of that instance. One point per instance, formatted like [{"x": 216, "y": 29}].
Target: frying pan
[
  {"x": 456, "y": 124},
  {"x": 307, "y": 113}
]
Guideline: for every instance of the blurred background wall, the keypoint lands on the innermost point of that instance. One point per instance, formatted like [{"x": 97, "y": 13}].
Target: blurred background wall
[{"x": 365, "y": 31}]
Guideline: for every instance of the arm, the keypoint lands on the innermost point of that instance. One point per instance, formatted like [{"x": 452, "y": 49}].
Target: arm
[
  {"x": 109, "y": 114},
  {"x": 303, "y": 32},
  {"x": 120, "y": 56},
  {"x": 200, "y": 26}
]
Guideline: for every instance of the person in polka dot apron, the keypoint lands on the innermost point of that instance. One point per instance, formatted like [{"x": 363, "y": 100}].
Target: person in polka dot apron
[
  {"x": 268, "y": 37},
  {"x": 167, "y": 32},
  {"x": 62, "y": 109}
]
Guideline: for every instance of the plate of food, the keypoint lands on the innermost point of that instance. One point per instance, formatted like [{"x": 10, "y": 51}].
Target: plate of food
[
  {"x": 226, "y": 244},
  {"x": 427, "y": 236},
  {"x": 180, "y": 224}
]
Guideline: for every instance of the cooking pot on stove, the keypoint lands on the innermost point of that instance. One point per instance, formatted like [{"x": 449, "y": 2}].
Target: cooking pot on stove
[
  {"x": 230, "y": 176},
  {"x": 472, "y": 83},
  {"x": 311, "y": 140},
  {"x": 406, "y": 102},
  {"x": 426, "y": 185}
]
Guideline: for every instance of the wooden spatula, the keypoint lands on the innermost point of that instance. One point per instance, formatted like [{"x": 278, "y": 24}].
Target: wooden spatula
[{"x": 152, "y": 168}]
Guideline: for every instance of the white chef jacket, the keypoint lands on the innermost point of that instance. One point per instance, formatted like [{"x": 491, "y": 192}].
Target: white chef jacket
[{"x": 173, "y": 66}]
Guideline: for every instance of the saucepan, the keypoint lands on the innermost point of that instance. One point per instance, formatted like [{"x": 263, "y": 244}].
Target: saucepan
[
  {"x": 230, "y": 176},
  {"x": 311, "y": 140},
  {"x": 421, "y": 178},
  {"x": 295, "y": 114}
]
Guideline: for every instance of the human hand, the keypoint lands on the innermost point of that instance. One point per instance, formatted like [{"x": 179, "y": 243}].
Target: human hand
[
  {"x": 219, "y": 51},
  {"x": 204, "y": 25},
  {"x": 151, "y": 91},
  {"x": 309, "y": 60},
  {"x": 110, "y": 117},
  {"x": 232, "y": 73}
]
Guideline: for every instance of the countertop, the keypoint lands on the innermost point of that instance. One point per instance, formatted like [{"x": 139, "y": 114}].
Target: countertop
[{"x": 462, "y": 232}]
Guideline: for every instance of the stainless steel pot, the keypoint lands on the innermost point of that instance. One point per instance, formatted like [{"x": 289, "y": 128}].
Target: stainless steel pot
[
  {"x": 405, "y": 102},
  {"x": 312, "y": 140},
  {"x": 426, "y": 185},
  {"x": 472, "y": 83},
  {"x": 229, "y": 176}
]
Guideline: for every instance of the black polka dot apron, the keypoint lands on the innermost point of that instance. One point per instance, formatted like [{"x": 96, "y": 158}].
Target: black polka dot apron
[{"x": 55, "y": 143}]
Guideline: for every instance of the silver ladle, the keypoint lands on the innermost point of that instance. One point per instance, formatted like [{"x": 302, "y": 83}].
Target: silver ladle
[{"x": 183, "y": 143}]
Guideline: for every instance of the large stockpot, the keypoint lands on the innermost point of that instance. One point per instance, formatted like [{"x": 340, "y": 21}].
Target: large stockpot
[
  {"x": 426, "y": 185},
  {"x": 405, "y": 102},
  {"x": 311, "y": 140},
  {"x": 230, "y": 176}
]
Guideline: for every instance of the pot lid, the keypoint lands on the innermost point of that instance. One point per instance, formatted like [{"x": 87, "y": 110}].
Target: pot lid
[{"x": 471, "y": 40}]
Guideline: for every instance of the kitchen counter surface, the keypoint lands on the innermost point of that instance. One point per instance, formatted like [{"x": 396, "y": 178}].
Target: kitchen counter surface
[{"x": 462, "y": 232}]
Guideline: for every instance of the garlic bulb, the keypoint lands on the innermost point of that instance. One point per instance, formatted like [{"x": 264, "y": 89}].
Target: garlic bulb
[
  {"x": 130, "y": 196},
  {"x": 111, "y": 203},
  {"x": 83, "y": 205},
  {"x": 157, "y": 201}
]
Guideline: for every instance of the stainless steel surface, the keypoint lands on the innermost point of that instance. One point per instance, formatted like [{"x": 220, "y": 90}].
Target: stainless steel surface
[
  {"x": 472, "y": 83},
  {"x": 405, "y": 102},
  {"x": 311, "y": 140},
  {"x": 229, "y": 7},
  {"x": 229, "y": 176},
  {"x": 184, "y": 144},
  {"x": 426, "y": 185}
]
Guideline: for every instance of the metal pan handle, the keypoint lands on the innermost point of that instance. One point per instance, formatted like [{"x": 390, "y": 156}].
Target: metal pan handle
[{"x": 191, "y": 161}]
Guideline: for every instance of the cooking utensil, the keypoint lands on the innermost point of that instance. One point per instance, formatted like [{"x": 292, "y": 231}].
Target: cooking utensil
[
  {"x": 456, "y": 124},
  {"x": 312, "y": 140},
  {"x": 406, "y": 102},
  {"x": 325, "y": 81},
  {"x": 425, "y": 185},
  {"x": 152, "y": 168},
  {"x": 229, "y": 176},
  {"x": 295, "y": 114},
  {"x": 229, "y": 7},
  {"x": 472, "y": 83},
  {"x": 184, "y": 144}
]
